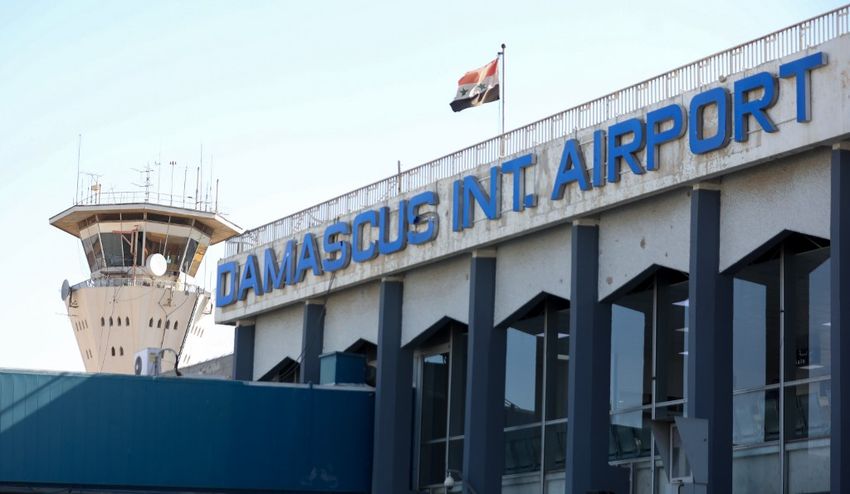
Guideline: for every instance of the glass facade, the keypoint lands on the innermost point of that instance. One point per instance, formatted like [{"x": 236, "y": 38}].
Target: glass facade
[
  {"x": 648, "y": 368},
  {"x": 536, "y": 371},
  {"x": 441, "y": 398},
  {"x": 781, "y": 370},
  {"x": 127, "y": 240}
]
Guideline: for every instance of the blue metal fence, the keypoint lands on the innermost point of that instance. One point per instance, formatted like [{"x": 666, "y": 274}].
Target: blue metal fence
[{"x": 142, "y": 433}]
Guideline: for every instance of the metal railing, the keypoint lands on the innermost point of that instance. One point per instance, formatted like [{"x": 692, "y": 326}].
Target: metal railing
[
  {"x": 139, "y": 196},
  {"x": 116, "y": 282},
  {"x": 689, "y": 77}
]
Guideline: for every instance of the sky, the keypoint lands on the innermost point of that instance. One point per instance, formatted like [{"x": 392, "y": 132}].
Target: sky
[{"x": 288, "y": 104}]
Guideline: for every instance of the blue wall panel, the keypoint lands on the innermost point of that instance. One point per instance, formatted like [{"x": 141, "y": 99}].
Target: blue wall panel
[{"x": 142, "y": 432}]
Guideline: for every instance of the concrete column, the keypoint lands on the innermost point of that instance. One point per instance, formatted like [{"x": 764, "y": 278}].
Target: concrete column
[
  {"x": 840, "y": 308},
  {"x": 243, "y": 351},
  {"x": 391, "y": 460},
  {"x": 709, "y": 337},
  {"x": 483, "y": 447},
  {"x": 312, "y": 340},
  {"x": 588, "y": 424}
]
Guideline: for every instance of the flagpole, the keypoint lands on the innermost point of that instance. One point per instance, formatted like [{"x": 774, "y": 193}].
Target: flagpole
[{"x": 502, "y": 101}]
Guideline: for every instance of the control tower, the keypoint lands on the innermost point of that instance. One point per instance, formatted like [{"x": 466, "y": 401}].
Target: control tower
[{"x": 143, "y": 250}]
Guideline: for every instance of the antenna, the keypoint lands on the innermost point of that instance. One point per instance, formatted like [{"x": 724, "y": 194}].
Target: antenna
[
  {"x": 171, "y": 194},
  {"x": 79, "y": 146},
  {"x": 185, "y": 172},
  {"x": 158, "y": 165},
  {"x": 147, "y": 183},
  {"x": 94, "y": 187}
]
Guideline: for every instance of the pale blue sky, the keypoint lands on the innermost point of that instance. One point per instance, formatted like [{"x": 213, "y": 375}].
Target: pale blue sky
[{"x": 294, "y": 103}]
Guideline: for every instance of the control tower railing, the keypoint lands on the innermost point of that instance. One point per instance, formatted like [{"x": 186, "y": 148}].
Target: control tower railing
[
  {"x": 96, "y": 197},
  {"x": 689, "y": 77}
]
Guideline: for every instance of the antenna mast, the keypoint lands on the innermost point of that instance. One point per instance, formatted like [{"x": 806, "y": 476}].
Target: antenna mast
[
  {"x": 79, "y": 146},
  {"x": 171, "y": 194}
]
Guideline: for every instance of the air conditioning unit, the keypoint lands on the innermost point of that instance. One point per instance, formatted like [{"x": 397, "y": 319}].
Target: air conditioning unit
[{"x": 147, "y": 362}]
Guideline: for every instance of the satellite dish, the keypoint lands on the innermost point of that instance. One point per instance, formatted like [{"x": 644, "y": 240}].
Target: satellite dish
[
  {"x": 66, "y": 290},
  {"x": 137, "y": 367},
  {"x": 157, "y": 264}
]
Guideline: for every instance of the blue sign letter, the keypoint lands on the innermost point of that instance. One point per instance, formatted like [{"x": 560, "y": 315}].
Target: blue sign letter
[
  {"x": 516, "y": 168},
  {"x": 655, "y": 136},
  {"x": 359, "y": 254},
  {"x": 800, "y": 69},
  {"x": 490, "y": 203},
  {"x": 570, "y": 170},
  {"x": 385, "y": 245},
  {"x": 226, "y": 284},
  {"x": 617, "y": 150},
  {"x": 333, "y": 244},
  {"x": 250, "y": 278},
  {"x": 308, "y": 258},
  {"x": 756, "y": 107},
  {"x": 430, "y": 218},
  {"x": 719, "y": 97}
]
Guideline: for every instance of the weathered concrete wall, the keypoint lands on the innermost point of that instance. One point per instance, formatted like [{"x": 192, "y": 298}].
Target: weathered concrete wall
[
  {"x": 830, "y": 103},
  {"x": 526, "y": 266},
  {"x": 789, "y": 194},
  {"x": 433, "y": 292},
  {"x": 351, "y": 315},
  {"x": 646, "y": 233},
  {"x": 276, "y": 336}
]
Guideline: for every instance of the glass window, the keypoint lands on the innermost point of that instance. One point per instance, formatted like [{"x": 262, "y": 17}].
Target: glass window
[
  {"x": 807, "y": 315},
  {"x": 630, "y": 435},
  {"x": 557, "y": 374},
  {"x": 522, "y": 450},
  {"x": 435, "y": 385},
  {"x": 807, "y": 410},
  {"x": 556, "y": 446},
  {"x": 755, "y": 325},
  {"x": 442, "y": 403},
  {"x": 191, "y": 247},
  {"x": 631, "y": 350},
  {"x": 755, "y": 417},
  {"x": 671, "y": 344},
  {"x": 113, "y": 249},
  {"x": 781, "y": 424},
  {"x": 173, "y": 252},
  {"x": 536, "y": 371},
  {"x": 524, "y": 371}
]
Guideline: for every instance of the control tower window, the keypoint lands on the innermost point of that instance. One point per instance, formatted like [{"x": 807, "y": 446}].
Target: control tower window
[
  {"x": 191, "y": 247},
  {"x": 174, "y": 249},
  {"x": 113, "y": 250}
]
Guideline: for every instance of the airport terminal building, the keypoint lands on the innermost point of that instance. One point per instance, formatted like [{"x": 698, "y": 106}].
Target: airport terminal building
[{"x": 644, "y": 293}]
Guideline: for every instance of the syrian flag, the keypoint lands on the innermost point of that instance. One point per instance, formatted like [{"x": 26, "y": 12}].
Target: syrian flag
[{"x": 477, "y": 87}]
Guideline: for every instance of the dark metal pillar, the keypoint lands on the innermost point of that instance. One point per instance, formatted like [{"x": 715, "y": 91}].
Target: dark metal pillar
[
  {"x": 587, "y": 468},
  {"x": 393, "y": 404},
  {"x": 312, "y": 340},
  {"x": 840, "y": 308},
  {"x": 483, "y": 448},
  {"x": 243, "y": 351},
  {"x": 709, "y": 337}
]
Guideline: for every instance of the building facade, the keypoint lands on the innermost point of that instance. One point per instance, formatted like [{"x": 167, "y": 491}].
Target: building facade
[{"x": 641, "y": 294}]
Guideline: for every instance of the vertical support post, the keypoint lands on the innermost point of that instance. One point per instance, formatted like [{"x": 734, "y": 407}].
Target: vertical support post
[
  {"x": 243, "y": 351},
  {"x": 391, "y": 460},
  {"x": 839, "y": 227},
  {"x": 709, "y": 337},
  {"x": 588, "y": 424},
  {"x": 483, "y": 447},
  {"x": 312, "y": 340}
]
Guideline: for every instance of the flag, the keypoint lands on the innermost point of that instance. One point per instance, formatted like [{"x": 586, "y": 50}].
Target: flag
[{"x": 477, "y": 87}]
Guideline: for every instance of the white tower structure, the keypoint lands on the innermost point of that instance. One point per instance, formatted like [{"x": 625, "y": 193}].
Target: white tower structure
[{"x": 143, "y": 255}]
